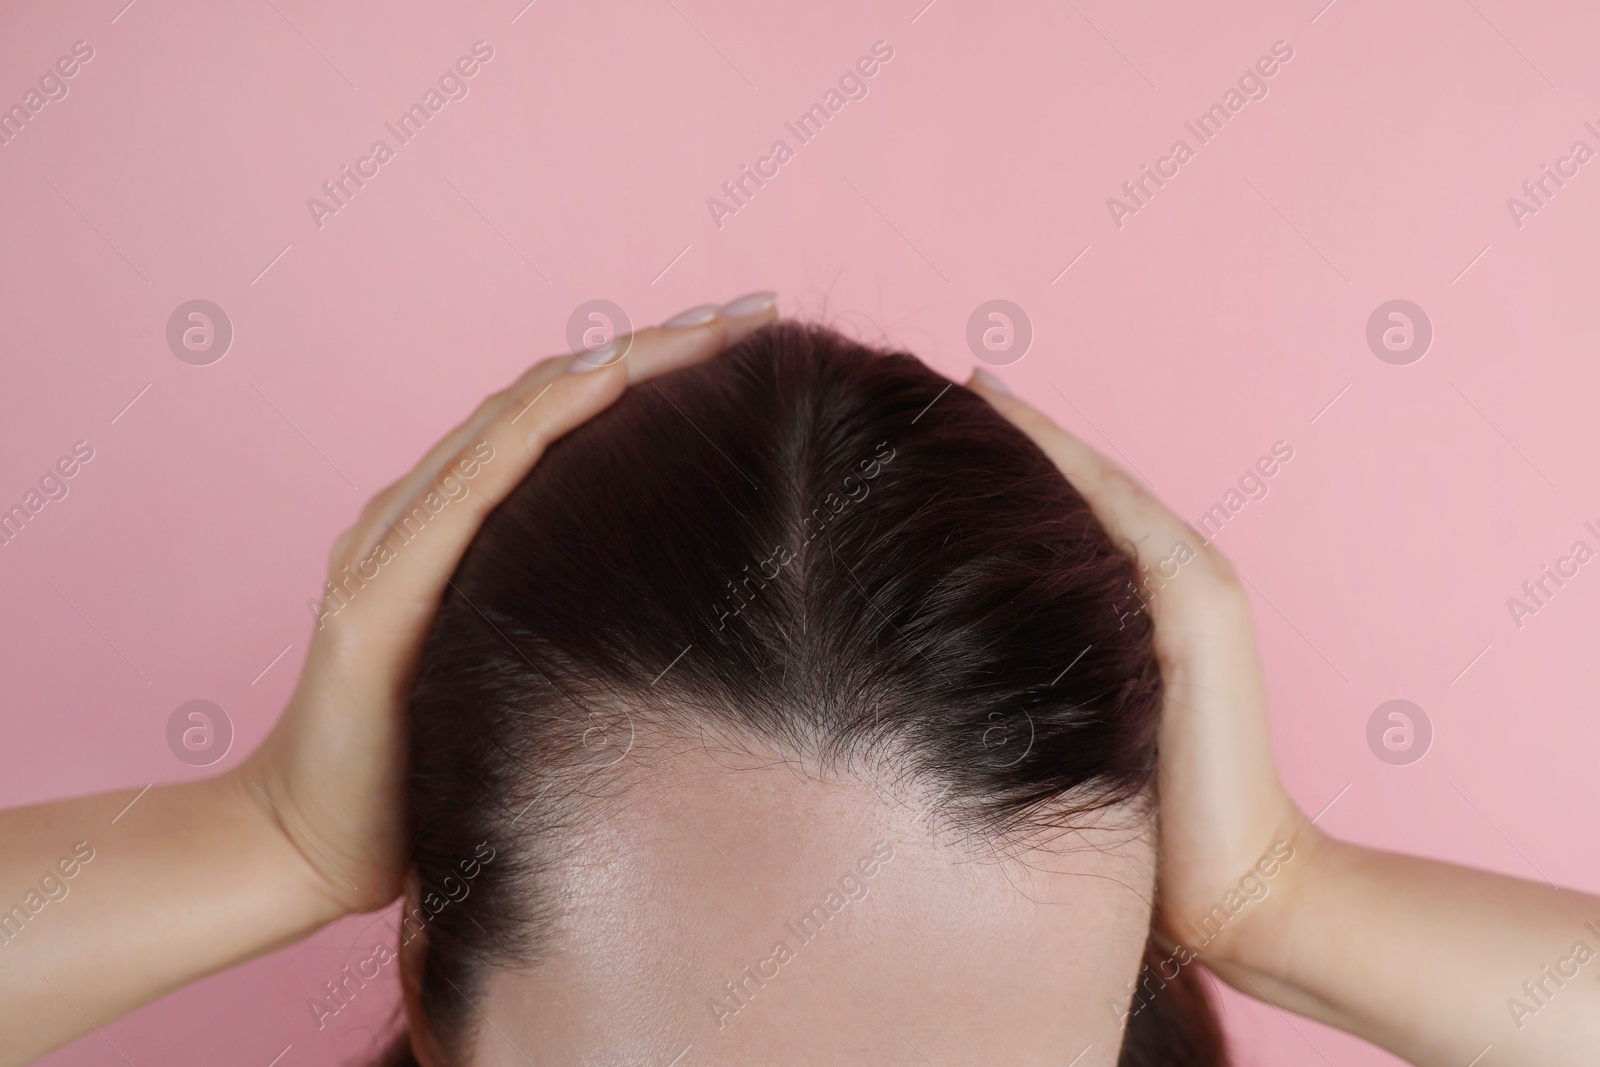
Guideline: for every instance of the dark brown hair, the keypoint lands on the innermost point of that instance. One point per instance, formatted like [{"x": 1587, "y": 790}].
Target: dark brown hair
[{"x": 812, "y": 542}]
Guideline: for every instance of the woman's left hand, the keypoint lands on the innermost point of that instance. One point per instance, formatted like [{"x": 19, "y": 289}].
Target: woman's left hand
[{"x": 1223, "y": 809}]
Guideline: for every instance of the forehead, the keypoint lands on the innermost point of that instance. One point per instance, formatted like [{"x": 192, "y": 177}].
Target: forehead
[{"x": 749, "y": 910}]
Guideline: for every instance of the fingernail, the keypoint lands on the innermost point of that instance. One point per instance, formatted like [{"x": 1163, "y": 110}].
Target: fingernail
[
  {"x": 989, "y": 381},
  {"x": 749, "y": 304},
  {"x": 604, "y": 356},
  {"x": 695, "y": 316}
]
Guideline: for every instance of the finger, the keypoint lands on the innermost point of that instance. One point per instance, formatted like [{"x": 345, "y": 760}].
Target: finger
[
  {"x": 748, "y": 313},
  {"x": 389, "y": 501},
  {"x": 736, "y": 319},
  {"x": 1204, "y": 634},
  {"x": 1131, "y": 514},
  {"x": 395, "y": 500},
  {"x": 648, "y": 354},
  {"x": 402, "y": 577}
]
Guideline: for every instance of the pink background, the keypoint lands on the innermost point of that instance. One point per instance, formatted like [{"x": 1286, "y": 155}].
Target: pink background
[{"x": 1224, "y": 316}]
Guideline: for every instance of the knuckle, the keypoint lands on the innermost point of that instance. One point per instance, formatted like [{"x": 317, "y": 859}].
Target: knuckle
[
  {"x": 340, "y": 643},
  {"x": 1221, "y": 574},
  {"x": 499, "y": 396},
  {"x": 373, "y": 506},
  {"x": 1221, "y": 567},
  {"x": 339, "y": 554}
]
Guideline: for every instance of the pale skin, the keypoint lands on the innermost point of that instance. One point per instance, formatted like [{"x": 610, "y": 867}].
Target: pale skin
[
  {"x": 1416, "y": 956},
  {"x": 700, "y": 876}
]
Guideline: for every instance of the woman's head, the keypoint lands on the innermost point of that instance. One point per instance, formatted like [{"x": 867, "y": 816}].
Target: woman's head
[{"x": 795, "y": 709}]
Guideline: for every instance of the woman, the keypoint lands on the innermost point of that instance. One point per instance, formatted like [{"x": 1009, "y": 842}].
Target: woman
[{"x": 795, "y": 710}]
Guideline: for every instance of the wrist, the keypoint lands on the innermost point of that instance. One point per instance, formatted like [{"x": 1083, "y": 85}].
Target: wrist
[
  {"x": 1261, "y": 937},
  {"x": 271, "y": 839}
]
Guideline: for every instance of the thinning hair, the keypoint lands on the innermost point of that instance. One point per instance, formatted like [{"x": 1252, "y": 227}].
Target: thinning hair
[{"x": 809, "y": 542}]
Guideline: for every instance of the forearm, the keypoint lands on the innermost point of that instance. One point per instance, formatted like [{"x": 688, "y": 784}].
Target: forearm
[
  {"x": 1427, "y": 959},
  {"x": 189, "y": 880}
]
